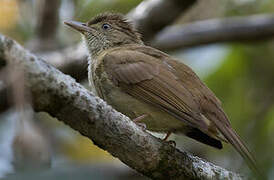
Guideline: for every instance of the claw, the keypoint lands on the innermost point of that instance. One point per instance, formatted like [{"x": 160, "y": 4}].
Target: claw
[
  {"x": 142, "y": 125},
  {"x": 172, "y": 143}
]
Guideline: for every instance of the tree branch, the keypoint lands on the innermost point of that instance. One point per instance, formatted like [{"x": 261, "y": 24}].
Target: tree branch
[
  {"x": 63, "y": 98},
  {"x": 149, "y": 17},
  {"x": 256, "y": 27}
]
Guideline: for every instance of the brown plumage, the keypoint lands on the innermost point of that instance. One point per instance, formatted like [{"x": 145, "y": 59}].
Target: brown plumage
[{"x": 137, "y": 79}]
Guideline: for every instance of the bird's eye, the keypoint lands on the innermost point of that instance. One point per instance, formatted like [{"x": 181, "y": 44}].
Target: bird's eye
[{"x": 106, "y": 26}]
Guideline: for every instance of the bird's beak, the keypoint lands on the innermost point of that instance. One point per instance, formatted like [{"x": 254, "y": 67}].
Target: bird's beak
[{"x": 79, "y": 26}]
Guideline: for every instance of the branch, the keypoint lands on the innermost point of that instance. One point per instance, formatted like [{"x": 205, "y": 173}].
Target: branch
[
  {"x": 63, "y": 98},
  {"x": 151, "y": 16},
  {"x": 256, "y": 27}
]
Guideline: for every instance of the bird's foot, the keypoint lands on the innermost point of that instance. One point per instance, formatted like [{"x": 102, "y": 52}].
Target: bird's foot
[{"x": 172, "y": 143}]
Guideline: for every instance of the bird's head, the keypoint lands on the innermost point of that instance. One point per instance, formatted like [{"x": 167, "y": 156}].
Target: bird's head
[{"x": 106, "y": 31}]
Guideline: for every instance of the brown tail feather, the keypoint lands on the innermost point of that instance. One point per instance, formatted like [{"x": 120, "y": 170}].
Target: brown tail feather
[{"x": 237, "y": 143}]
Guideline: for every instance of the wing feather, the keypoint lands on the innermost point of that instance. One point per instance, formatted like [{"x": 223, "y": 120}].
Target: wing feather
[
  {"x": 154, "y": 77},
  {"x": 147, "y": 78}
]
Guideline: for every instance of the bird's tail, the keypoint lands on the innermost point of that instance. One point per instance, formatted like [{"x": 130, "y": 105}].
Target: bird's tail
[{"x": 233, "y": 138}]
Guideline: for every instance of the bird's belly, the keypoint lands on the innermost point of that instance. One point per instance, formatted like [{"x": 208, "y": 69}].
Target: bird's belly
[{"x": 156, "y": 120}]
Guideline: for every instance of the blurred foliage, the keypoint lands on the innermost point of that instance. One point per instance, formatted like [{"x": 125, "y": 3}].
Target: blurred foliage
[
  {"x": 85, "y": 9},
  {"x": 8, "y": 14},
  {"x": 81, "y": 149},
  {"x": 16, "y": 19},
  {"x": 71, "y": 144},
  {"x": 244, "y": 83},
  {"x": 229, "y": 83},
  {"x": 246, "y": 7}
]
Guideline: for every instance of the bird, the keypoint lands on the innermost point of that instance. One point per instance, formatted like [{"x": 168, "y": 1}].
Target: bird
[{"x": 151, "y": 87}]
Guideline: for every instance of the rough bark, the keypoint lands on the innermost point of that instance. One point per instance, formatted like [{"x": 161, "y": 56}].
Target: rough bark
[
  {"x": 256, "y": 27},
  {"x": 68, "y": 101}
]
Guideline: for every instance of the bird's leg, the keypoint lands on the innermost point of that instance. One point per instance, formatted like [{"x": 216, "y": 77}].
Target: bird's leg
[
  {"x": 167, "y": 135},
  {"x": 173, "y": 143},
  {"x": 138, "y": 119}
]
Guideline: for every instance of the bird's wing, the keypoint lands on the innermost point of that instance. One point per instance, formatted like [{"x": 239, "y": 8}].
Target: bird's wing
[
  {"x": 154, "y": 77},
  {"x": 210, "y": 105},
  {"x": 150, "y": 79},
  {"x": 208, "y": 102}
]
